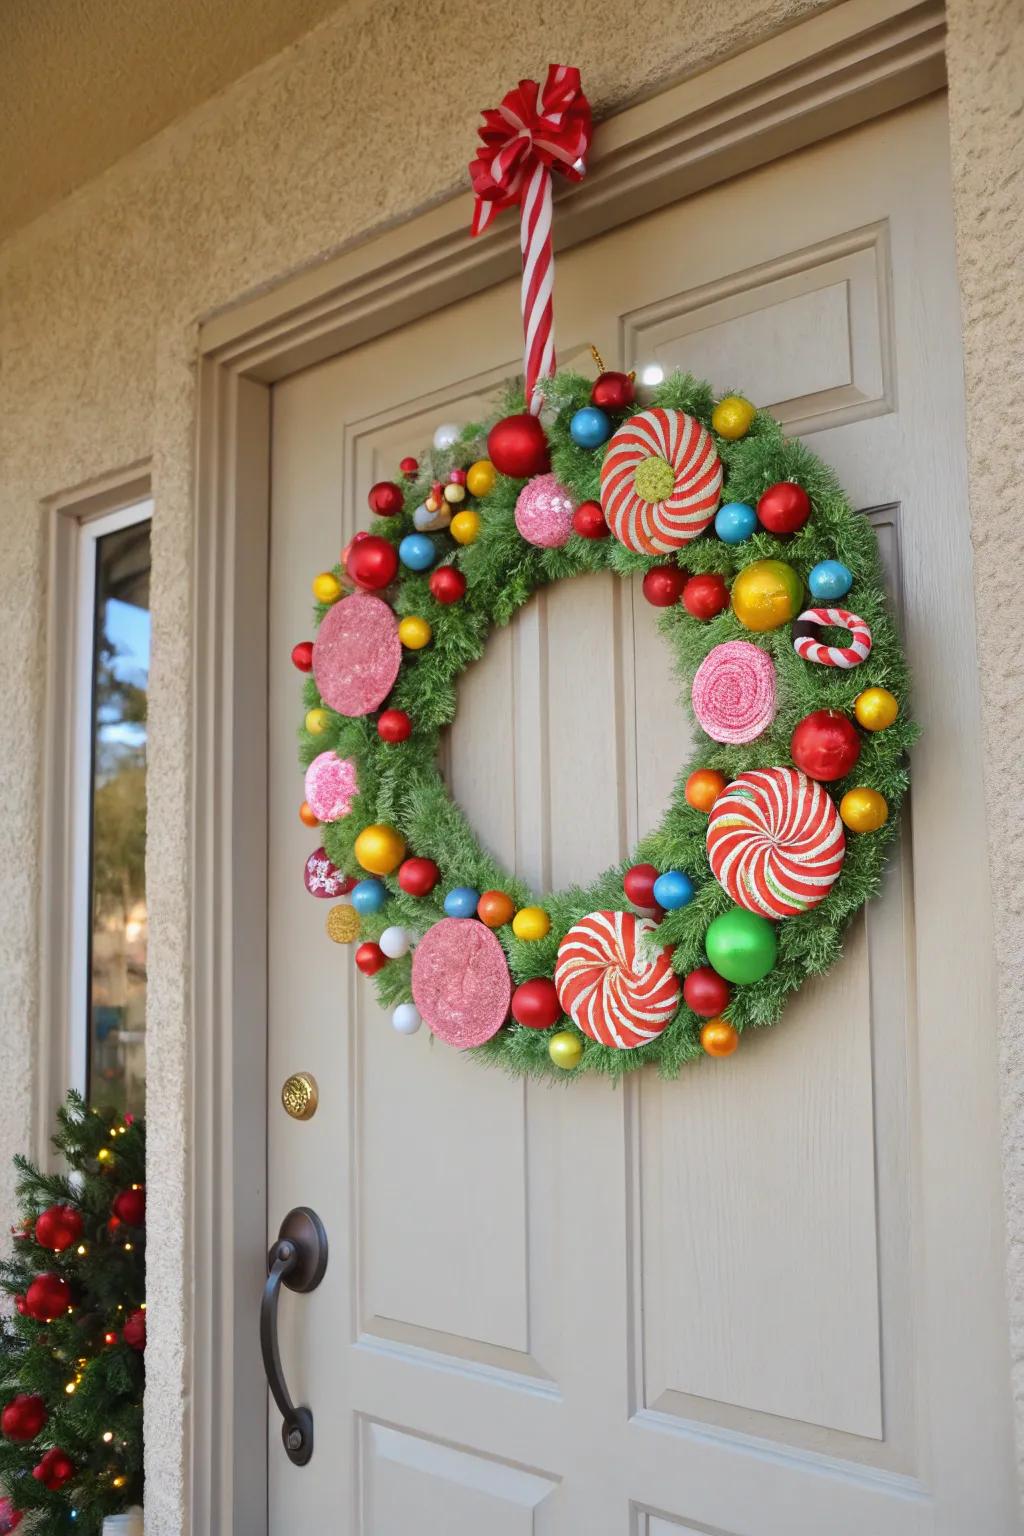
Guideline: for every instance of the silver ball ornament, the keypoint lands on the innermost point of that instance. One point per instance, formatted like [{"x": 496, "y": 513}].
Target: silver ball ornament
[
  {"x": 446, "y": 436},
  {"x": 395, "y": 942},
  {"x": 406, "y": 1020}
]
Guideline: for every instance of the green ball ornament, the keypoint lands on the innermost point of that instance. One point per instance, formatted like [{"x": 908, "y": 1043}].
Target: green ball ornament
[{"x": 741, "y": 945}]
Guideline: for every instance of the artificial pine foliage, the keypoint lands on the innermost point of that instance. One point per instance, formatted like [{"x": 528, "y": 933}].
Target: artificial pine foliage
[{"x": 85, "y": 1257}]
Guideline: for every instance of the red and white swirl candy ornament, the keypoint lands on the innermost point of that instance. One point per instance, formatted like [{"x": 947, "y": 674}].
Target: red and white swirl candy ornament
[
  {"x": 661, "y": 481},
  {"x": 614, "y": 988},
  {"x": 775, "y": 842}
]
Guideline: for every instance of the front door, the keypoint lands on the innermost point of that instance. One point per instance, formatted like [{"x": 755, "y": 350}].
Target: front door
[{"x": 765, "y": 1298}]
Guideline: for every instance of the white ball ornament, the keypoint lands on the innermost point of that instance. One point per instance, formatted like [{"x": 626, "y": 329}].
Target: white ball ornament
[
  {"x": 446, "y": 436},
  {"x": 406, "y": 1019},
  {"x": 395, "y": 942}
]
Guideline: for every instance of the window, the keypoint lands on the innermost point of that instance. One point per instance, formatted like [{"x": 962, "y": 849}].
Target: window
[{"x": 109, "y": 921}]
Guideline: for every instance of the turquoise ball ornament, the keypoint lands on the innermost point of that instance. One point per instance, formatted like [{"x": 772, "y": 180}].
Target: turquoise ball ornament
[
  {"x": 741, "y": 945},
  {"x": 369, "y": 896},
  {"x": 735, "y": 522},
  {"x": 830, "y": 579},
  {"x": 461, "y": 901},
  {"x": 590, "y": 427},
  {"x": 417, "y": 552},
  {"x": 673, "y": 889}
]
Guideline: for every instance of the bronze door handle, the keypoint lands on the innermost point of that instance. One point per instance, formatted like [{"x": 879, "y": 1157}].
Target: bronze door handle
[{"x": 298, "y": 1260}]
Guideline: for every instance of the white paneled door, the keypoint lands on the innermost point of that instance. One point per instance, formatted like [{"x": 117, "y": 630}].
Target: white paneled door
[{"x": 764, "y": 1300}]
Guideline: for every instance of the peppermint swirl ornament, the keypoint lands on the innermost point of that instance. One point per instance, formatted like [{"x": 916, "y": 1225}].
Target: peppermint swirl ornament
[
  {"x": 660, "y": 481},
  {"x": 616, "y": 990},
  {"x": 775, "y": 842}
]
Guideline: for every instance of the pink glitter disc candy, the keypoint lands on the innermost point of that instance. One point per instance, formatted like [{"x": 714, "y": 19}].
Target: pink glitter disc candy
[
  {"x": 733, "y": 692},
  {"x": 357, "y": 654},
  {"x": 460, "y": 982},
  {"x": 330, "y": 786},
  {"x": 544, "y": 510},
  {"x": 325, "y": 879}
]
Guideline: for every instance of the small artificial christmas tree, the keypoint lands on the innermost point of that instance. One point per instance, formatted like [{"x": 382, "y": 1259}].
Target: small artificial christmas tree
[{"x": 71, "y": 1356}]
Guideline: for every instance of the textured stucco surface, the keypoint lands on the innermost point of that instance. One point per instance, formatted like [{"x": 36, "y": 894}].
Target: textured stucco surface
[
  {"x": 986, "y": 103},
  {"x": 352, "y": 127}
]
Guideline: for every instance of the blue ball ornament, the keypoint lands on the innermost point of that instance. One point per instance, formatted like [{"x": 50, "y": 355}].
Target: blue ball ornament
[
  {"x": 735, "y": 522},
  {"x": 369, "y": 896},
  {"x": 590, "y": 427},
  {"x": 673, "y": 889},
  {"x": 417, "y": 552},
  {"x": 461, "y": 901},
  {"x": 829, "y": 579}
]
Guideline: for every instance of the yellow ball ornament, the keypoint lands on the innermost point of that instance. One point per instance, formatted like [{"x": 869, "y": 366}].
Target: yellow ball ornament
[
  {"x": 379, "y": 849},
  {"x": 326, "y": 588},
  {"x": 481, "y": 477},
  {"x": 876, "y": 708},
  {"x": 317, "y": 721},
  {"x": 414, "y": 633},
  {"x": 733, "y": 417},
  {"x": 565, "y": 1049},
  {"x": 465, "y": 527},
  {"x": 765, "y": 594},
  {"x": 863, "y": 809},
  {"x": 343, "y": 925},
  {"x": 531, "y": 923}
]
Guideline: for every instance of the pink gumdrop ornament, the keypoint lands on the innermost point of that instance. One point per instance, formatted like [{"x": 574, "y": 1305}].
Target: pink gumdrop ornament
[
  {"x": 330, "y": 786},
  {"x": 544, "y": 510}
]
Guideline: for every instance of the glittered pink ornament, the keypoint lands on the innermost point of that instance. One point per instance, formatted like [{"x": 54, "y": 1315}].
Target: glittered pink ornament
[
  {"x": 357, "y": 654},
  {"x": 330, "y": 786},
  {"x": 460, "y": 982},
  {"x": 733, "y": 692},
  {"x": 324, "y": 879},
  {"x": 544, "y": 511}
]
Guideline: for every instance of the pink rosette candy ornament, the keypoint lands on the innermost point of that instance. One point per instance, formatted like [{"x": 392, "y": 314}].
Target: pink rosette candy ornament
[{"x": 733, "y": 692}]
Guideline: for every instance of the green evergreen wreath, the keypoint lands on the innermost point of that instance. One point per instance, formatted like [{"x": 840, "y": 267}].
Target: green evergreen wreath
[{"x": 400, "y": 786}]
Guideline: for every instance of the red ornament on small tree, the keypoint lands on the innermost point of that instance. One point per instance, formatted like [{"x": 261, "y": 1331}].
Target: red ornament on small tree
[
  {"x": 129, "y": 1205},
  {"x": 55, "y": 1469},
  {"x": 58, "y": 1227},
  {"x": 517, "y": 446},
  {"x": 47, "y": 1297},
  {"x": 23, "y": 1417},
  {"x": 134, "y": 1330}
]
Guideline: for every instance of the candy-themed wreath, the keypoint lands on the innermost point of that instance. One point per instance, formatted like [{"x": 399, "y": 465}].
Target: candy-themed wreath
[{"x": 777, "y": 830}]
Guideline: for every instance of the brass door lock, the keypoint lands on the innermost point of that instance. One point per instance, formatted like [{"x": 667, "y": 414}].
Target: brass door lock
[{"x": 300, "y": 1095}]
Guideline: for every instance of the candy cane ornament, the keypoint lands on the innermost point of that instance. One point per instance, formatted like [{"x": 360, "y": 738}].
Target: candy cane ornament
[{"x": 809, "y": 627}]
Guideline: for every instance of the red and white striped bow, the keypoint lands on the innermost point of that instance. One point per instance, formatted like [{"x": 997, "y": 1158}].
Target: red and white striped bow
[{"x": 533, "y": 132}]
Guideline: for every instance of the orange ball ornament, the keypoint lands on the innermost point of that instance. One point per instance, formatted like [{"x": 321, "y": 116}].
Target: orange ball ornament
[
  {"x": 719, "y": 1038},
  {"x": 379, "y": 849},
  {"x": 495, "y": 909},
  {"x": 307, "y": 815},
  {"x": 703, "y": 788}
]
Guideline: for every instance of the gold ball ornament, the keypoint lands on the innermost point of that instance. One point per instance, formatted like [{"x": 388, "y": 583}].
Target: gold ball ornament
[
  {"x": 317, "y": 721},
  {"x": 531, "y": 923},
  {"x": 733, "y": 417},
  {"x": 465, "y": 527},
  {"x": 326, "y": 588},
  {"x": 765, "y": 594},
  {"x": 565, "y": 1049},
  {"x": 414, "y": 633},
  {"x": 379, "y": 849},
  {"x": 719, "y": 1038},
  {"x": 343, "y": 925},
  {"x": 863, "y": 809},
  {"x": 876, "y": 708},
  {"x": 481, "y": 478}
]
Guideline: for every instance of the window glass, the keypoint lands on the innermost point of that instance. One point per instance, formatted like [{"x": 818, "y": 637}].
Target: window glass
[{"x": 119, "y": 927}]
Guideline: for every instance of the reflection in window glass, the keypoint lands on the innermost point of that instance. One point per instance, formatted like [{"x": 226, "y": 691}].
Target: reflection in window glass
[{"x": 117, "y": 962}]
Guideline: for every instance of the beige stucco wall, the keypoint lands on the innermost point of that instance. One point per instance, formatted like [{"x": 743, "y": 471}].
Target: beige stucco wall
[{"x": 355, "y": 125}]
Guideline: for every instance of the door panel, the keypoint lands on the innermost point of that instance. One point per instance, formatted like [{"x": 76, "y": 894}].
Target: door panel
[{"x": 733, "y": 1303}]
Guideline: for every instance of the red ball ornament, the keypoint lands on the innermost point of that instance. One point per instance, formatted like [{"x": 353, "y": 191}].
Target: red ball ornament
[
  {"x": 47, "y": 1297},
  {"x": 638, "y": 884},
  {"x": 58, "y": 1227},
  {"x": 706, "y": 992},
  {"x": 302, "y": 655},
  {"x": 704, "y": 596},
  {"x": 134, "y": 1330},
  {"x": 394, "y": 725},
  {"x": 370, "y": 959},
  {"x": 21, "y": 1306},
  {"x": 129, "y": 1205},
  {"x": 447, "y": 584},
  {"x": 535, "y": 1004},
  {"x": 588, "y": 521},
  {"x": 372, "y": 563},
  {"x": 55, "y": 1469},
  {"x": 23, "y": 1417},
  {"x": 517, "y": 446},
  {"x": 386, "y": 498},
  {"x": 784, "y": 508},
  {"x": 409, "y": 467},
  {"x": 825, "y": 745},
  {"x": 663, "y": 585},
  {"x": 613, "y": 391},
  {"x": 417, "y": 877}
]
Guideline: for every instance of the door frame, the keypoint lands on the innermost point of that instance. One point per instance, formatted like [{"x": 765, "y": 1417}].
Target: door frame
[{"x": 834, "y": 71}]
